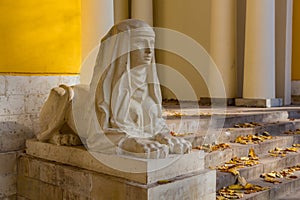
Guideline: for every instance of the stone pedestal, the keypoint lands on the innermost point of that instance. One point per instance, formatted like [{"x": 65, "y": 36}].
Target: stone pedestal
[
  {"x": 61, "y": 172},
  {"x": 262, "y": 103},
  {"x": 208, "y": 101}
]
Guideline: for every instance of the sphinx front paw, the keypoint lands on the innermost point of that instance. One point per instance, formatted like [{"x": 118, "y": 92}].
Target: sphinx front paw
[
  {"x": 176, "y": 145},
  {"x": 143, "y": 148}
]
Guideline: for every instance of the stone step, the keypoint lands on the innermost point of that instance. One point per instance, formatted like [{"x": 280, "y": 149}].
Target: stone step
[
  {"x": 192, "y": 120},
  {"x": 293, "y": 195},
  {"x": 266, "y": 165},
  {"x": 276, "y": 191},
  {"x": 219, "y": 157},
  {"x": 230, "y": 134}
]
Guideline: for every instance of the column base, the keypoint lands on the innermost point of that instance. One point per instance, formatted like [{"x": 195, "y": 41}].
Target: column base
[
  {"x": 208, "y": 101},
  {"x": 261, "y": 103}
]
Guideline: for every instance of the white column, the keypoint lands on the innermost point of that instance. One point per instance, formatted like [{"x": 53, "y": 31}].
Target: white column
[
  {"x": 121, "y": 10},
  {"x": 284, "y": 18},
  {"x": 223, "y": 43},
  {"x": 143, "y": 10},
  {"x": 259, "y": 69}
]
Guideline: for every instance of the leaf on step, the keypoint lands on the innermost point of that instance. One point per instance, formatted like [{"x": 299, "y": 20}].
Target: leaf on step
[
  {"x": 247, "y": 125},
  {"x": 235, "y": 187},
  {"x": 233, "y": 171},
  {"x": 253, "y": 139},
  {"x": 296, "y": 145},
  {"x": 161, "y": 182},
  {"x": 282, "y": 152},
  {"x": 252, "y": 154},
  {"x": 236, "y": 191},
  {"x": 293, "y": 177},
  {"x": 271, "y": 180},
  {"x": 179, "y": 134},
  {"x": 292, "y": 132},
  {"x": 216, "y": 147},
  {"x": 292, "y": 149}
]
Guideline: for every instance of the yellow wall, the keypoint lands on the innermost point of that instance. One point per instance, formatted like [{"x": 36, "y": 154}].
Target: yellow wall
[
  {"x": 40, "y": 36},
  {"x": 296, "y": 42}
]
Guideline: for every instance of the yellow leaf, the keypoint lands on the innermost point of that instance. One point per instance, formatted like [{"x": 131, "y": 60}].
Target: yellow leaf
[
  {"x": 234, "y": 171},
  {"x": 292, "y": 149},
  {"x": 271, "y": 180},
  {"x": 235, "y": 187},
  {"x": 252, "y": 154},
  {"x": 164, "y": 181}
]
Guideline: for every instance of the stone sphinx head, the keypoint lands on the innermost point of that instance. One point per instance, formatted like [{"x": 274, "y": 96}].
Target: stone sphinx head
[{"x": 128, "y": 95}]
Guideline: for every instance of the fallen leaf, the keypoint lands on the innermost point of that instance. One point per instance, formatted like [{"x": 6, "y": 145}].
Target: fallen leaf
[
  {"x": 235, "y": 187},
  {"x": 252, "y": 154},
  {"x": 161, "y": 182},
  {"x": 271, "y": 180}
]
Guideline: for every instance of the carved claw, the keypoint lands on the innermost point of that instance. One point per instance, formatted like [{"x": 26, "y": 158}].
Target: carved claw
[
  {"x": 176, "y": 145},
  {"x": 144, "y": 148}
]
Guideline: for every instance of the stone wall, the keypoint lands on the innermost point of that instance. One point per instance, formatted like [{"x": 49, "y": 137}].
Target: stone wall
[{"x": 21, "y": 98}]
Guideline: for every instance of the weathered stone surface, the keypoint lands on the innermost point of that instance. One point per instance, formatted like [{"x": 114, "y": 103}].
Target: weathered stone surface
[
  {"x": 263, "y": 103},
  {"x": 198, "y": 188},
  {"x": 8, "y": 162},
  {"x": 139, "y": 170},
  {"x": 77, "y": 183},
  {"x": 12, "y": 197},
  {"x": 34, "y": 103},
  {"x": 13, "y": 136},
  {"x": 34, "y": 189},
  {"x": 216, "y": 158},
  {"x": 2, "y": 85},
  {"x": 12, "y": 105},
  {"x": 204, "y": 101},
  {"x": 7, "y": 185}
]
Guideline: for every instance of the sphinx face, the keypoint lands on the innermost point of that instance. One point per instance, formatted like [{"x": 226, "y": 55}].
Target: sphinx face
[{"x": 143, "y": 50}]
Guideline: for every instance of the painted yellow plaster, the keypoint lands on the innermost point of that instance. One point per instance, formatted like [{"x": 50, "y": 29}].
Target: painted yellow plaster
[
  {"x": 296, "y": 42},
  {"x": 42, "y": 37}
]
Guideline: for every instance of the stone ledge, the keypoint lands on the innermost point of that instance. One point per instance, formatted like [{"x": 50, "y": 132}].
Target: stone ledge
[
  {"x": 262, "y": 103},
  {"x": 143, "y": 171},
  {"x": 208, "y": 101},
  {"x": 38, "y": 178}
]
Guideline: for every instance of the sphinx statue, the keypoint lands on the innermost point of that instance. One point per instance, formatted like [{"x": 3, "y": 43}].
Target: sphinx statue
[{"x": 121, "y": 108}]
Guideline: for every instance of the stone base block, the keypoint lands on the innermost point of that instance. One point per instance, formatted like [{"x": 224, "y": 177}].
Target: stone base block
[
  {"x": 143, "y": 171},
  {"x": 43, "y": 179},
  {"x": 296, "y": 99},
  {"x": 208, "y": 101},
  {"x": 262, "y": 103}
]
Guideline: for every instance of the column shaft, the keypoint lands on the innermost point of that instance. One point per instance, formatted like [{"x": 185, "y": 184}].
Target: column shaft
[
  {"x": 259, "y": 69},
  {"x": 121, "y": 10},
  {"x": 142, "y": 9}
]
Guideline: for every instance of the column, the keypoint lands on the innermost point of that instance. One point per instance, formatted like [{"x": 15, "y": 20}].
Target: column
[
  {"x": 259, "y": 67},
  {"x": 142, "y": 9},
  {"x": 283, "y": 39},
  {"x": 121, "y": 10},
  {"x": 223, "y": 44}
]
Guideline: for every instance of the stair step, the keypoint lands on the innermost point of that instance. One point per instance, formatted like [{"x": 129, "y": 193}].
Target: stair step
[
  {"x": 193, "y": 121},
  {"x": 227, "y": 135},
  {"x": 219, "y": 157},
  {"x": 267, "y": 164},
  {"x": 276, "y": 191},
  {"x": 293, "y": 195}
]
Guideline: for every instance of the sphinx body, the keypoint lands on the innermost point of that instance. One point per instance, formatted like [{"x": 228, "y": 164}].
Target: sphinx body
[{"x": 121, "y": 107}]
